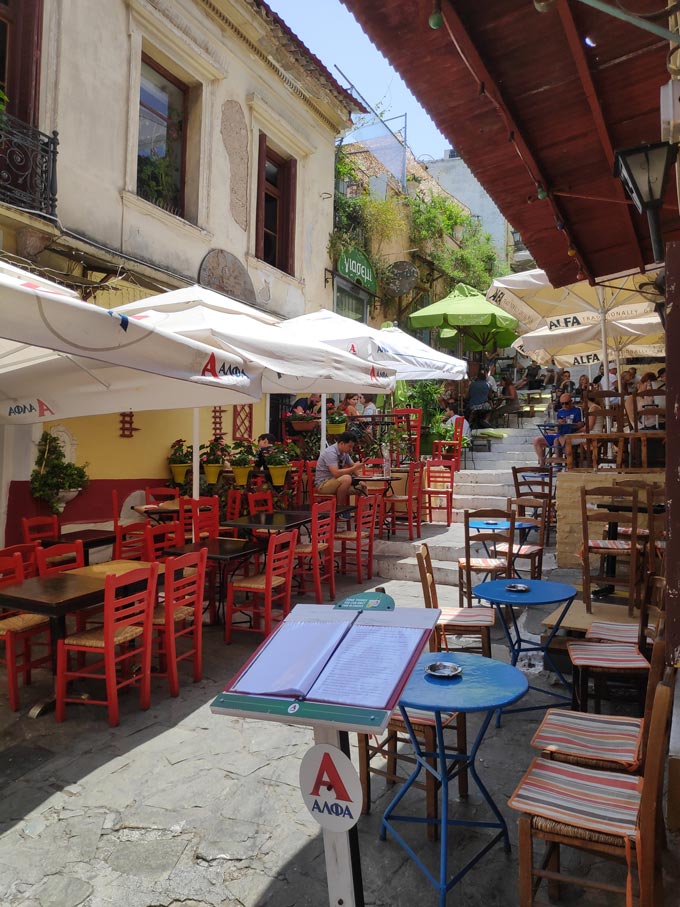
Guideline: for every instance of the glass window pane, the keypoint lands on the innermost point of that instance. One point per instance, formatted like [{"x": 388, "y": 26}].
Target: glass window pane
[
  {"x": 271, "y": 173},
  {"x": 270, "y": 249},
  {"x": 160, "y": 142},
  {"x": 271, "y": 213},
  {"x": 351, "y": 305}
]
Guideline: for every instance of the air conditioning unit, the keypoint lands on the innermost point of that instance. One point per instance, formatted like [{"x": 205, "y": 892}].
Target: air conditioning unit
[{"x": 670, "y": 111}]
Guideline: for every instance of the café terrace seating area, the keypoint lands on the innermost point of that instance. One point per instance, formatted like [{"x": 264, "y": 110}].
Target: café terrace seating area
[{"x": 121, "y": 614}]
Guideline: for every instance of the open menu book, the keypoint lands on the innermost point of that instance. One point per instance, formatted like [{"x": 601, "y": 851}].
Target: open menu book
[{"x": 344, "y": 657}]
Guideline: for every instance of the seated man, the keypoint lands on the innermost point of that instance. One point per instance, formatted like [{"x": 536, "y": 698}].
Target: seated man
[
  {"x": 450, "y": 415},
  {"x": 569, "y": 419},
  {"x": 335, "y": 470},
  {"x": 309, "y": 404},
  {"x": 263, "y": 442}
]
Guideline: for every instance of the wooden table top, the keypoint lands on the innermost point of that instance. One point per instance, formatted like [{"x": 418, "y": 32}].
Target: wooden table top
[{"x": 578, "y": 620}]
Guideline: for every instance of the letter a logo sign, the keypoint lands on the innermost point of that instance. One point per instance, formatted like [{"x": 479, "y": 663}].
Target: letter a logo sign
[{"x": 330, "y": 788}]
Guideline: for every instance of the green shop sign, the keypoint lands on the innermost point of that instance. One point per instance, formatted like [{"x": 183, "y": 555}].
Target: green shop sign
[{"x": 355, "y": 266}]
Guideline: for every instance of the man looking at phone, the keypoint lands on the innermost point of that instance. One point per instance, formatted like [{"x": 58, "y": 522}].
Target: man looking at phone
[
  {"x": 335, "y": 470},
  {"x": 569, "y": 419}
]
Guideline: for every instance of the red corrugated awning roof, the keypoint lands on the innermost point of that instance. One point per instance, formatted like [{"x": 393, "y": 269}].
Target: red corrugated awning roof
[{"x": 524, "y": 100}]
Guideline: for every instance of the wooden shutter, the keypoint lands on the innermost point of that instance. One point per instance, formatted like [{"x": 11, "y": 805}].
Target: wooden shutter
[
  {"x": 291, "y": 204},
  {"x": 259, "y": 217}
]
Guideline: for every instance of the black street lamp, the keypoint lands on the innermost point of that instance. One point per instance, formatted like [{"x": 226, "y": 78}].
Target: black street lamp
[{"x": 644, "y": 172}]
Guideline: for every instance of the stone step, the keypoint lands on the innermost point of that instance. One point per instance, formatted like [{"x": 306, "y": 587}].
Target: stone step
[
  {"x": 471, "y": 490},
  {"x": 483, "y": 476},
  {"x": 406, "y": 568},
  {"x": 447, "y": 549},
  {"x": 479, "y": 502}
]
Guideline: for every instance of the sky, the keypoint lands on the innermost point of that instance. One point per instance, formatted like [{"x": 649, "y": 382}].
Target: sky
[{"x": 331, "y": 32}]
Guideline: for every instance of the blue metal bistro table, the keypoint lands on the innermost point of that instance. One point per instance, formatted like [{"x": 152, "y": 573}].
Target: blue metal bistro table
[
  {"x": 505, "y": 601},
  {"x": 484, "y": 685}
]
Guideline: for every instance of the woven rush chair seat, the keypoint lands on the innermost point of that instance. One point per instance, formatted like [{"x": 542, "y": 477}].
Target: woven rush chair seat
[
  {"x": 609, "y": 742},
  {"x": 183, "y": 613},
  {"x": 20, "y": 622},
  {"x": 350, "y": 535},
  {"x": 610, "y": 657},
  {"x": 259, "y": 582},
  {"x": 307, "y": 548},
  {"x": 95, "y": 637}
]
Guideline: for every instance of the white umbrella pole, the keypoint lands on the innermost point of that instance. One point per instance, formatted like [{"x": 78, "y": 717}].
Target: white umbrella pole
[
  {"x": 197, "y": 443},
  {"x": 322, "y": 446}
]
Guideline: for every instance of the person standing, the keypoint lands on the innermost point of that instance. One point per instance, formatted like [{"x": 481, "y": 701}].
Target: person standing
[{"x": 335, "y": 470}]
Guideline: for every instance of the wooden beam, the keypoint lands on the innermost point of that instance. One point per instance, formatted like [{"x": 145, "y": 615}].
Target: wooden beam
[
  {"x": 672, "y": 454},
  {"x": 576, "y": 47}
]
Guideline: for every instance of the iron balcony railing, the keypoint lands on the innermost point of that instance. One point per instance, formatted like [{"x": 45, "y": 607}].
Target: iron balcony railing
[{"x": 28, "y": 166}]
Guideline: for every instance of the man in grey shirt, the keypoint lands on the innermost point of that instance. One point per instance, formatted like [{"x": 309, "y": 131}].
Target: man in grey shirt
[{"x": 335, "y": 468}]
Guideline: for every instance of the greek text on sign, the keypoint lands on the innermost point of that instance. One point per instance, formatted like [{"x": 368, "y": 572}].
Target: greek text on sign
[
  {"x": 330, "y": 787},
  {"x": 23, "y": 409},
  {"x": 355, "y": 266}
]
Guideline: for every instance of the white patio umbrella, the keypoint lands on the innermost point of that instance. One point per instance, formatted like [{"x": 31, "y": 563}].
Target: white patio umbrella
[
  {"x": 411, "y": 359},
  {"x": 531, "y": 298},
  {"x": 290, "y": 364},
  {"x": 61, "y": 357},
  {"x": 581, "y": 344}
]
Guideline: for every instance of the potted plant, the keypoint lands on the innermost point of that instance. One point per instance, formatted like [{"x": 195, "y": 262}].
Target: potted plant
[
  {"x": 181, "y": 455},
  {"x": 212, "y": 457},
  {"x": 304, "y": 421},
  {"x": 55, "y": 479},
  {"x": 278, "y": 463},
  {"x": 241, "y": 458},
  {"x": 336, "y": 423}
]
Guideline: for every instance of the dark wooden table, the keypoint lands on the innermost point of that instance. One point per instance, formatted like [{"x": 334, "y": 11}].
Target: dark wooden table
[
  {"x": 279, "y": 521},
  {"x": 91, "y": 538}
]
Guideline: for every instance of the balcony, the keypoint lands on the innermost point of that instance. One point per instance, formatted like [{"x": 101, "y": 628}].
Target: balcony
[{"x": 28, "y": 166}]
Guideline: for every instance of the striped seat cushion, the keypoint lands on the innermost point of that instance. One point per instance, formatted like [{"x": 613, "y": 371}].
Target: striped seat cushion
[
  {"x": 602, "y": 802},
  {"x": 521, "y": 551},
  {"x": 467, "y": 617},
  {"x": 422, "y": 717},
  {"x": 601, "y": 738},
  {"x": 482, "y": 563},
  {"x": 610, "y": 631},
  {"x": 603, "y": 655},
  {"x": 611, "y": 545}
]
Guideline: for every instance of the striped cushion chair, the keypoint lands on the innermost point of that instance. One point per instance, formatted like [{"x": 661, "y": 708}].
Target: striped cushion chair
[
  {"x": 463, "y": 622},
  {"x": 645, "y": 629},
  {"x": 391, "y": 748},
  {"x": 612, "y": 742},
  {"x": 607, "y": 814},
  {"x": 600, "y": 660},
  {"x": 484, "y": 564}
]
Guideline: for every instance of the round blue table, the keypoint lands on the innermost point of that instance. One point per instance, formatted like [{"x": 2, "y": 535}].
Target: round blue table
[
  {"x": 485, "y": 685},
  {"x": 499, "y": 525},
  {"x": 540, "y": 592}
]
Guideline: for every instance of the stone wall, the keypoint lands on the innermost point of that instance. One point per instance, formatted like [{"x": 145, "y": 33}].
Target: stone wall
[{"x": 569, "y": 484}]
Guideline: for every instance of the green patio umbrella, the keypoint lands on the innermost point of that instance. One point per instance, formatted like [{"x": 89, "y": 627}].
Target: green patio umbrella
[{"x": 478, "y": 322}]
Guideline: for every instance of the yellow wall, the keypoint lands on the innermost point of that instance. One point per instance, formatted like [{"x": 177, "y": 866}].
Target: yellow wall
[{"x": 145, "y": 455}]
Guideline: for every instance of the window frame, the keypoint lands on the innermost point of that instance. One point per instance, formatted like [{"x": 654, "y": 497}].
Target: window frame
[
  {"x": 185, "y": 89},
  {"x": 286, "y": 196},
  {"x": 354, "y": 290}
]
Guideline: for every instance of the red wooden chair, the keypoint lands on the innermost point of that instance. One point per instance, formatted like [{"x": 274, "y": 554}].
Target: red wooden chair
[
  {"x": 186, "y": 519},
  {"x": 19, "y": 632},
  {"x": 37, "y": 528},
  {"x": 312, "y": 495},
  {"x": 356, "y": 545},
  {"x": 316, "y": 558},
  {"x": 438, "y": 484},
  {"x": 408, "y": 420},
  {"x": 127, "y": 619},
  {"x": 28, "y": 557},
  {"x": 129, "y": 544},
  {"x": 180, "y": 617},
  {"x": 407, "y": 507},
  {"x": 260, "y": 502},
  {"x": 159, "y": 494},
  {"x": 157, "y": 539},
  {"x": 264, "y": 590},
  {"x": 296, "y": 480},
  {"x": 60, "y": 558},
  {"x": 205, "y": 517}
]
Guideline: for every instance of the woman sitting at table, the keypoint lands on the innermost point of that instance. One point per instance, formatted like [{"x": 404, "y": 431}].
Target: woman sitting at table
[
  {"x": 582, "y": 389},
  {"x": 509, "y": 397},
  {"x": 349, "y": 406}
]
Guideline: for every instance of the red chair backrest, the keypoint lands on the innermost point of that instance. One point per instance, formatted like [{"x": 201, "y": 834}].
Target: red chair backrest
[
  {"x": 160, "y": 493},
  {"x": 280, "y": 555},
  {"x": 260, "y": 502},
  {"x": 11, "y": 571},
  {"x": 123, "y": 607},
  {"x": 439, "y": 474},
  {"x": 184, "y": 582},
  {"x": 186, "y": 518},
  {"x": 28, "y": 557},
  {"x": 458, "y": 425},
  {"x": 50, "y": 560},
  {"x": 323, "y": 523},
  {"x": 130, "y": 542},
  {"x": 37, "y": 528},
  {"x": 296, "y": 477},
  {"x": 158, "y": 538},
  {"x": 365, "y": 514},
  {"x": 234, "y": 503},
  {"x": 205, "y": 517}
]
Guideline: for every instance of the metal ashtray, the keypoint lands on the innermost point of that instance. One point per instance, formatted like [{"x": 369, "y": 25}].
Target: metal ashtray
[
  {"x": 491, "y": 522},
  {"x": 517, "y": 587},
  {"x": 443, "y": 669}
]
